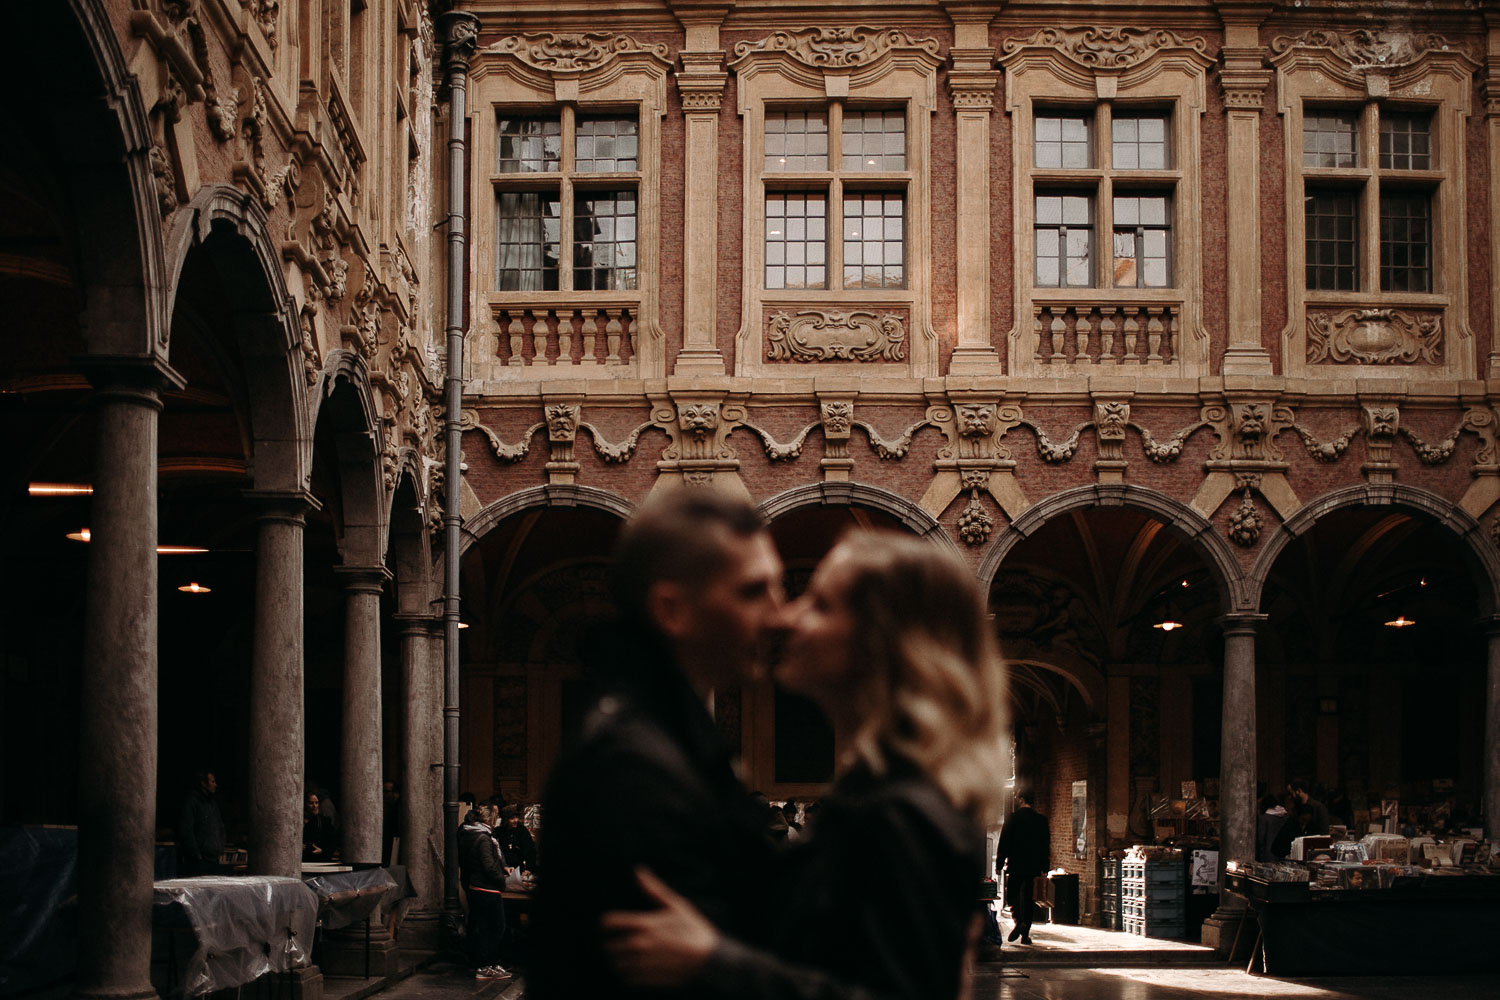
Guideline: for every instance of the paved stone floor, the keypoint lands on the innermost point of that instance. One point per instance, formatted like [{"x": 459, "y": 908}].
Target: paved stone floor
[{"x": 1001, "y": 982}]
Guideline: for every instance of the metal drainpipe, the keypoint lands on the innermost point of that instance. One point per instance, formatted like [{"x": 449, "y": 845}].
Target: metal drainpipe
[{"x": 460, "y": 33}]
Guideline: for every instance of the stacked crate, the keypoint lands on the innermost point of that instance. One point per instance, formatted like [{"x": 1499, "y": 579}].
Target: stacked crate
[
  {"x": 1153, "y": 898},
  {"x": 1109, "y": 893}
]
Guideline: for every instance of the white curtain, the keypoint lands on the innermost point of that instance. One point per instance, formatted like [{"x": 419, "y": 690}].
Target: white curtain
[{"x": 520, "y": 241}]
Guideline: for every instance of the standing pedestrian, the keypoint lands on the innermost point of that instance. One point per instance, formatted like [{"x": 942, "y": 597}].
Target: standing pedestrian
[{"x": 1025, "y": 851}]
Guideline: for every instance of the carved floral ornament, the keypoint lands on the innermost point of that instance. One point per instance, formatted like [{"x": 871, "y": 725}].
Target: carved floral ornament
[
  {"x": 576, "y": 52},
  {"x": 837, "y": 48},
  {"x": 856, "y": 335},
  {"x": 1106, "y": 48},
  {"x": 1374, "y": 337},
  {"x": 1364, "y": 48}
]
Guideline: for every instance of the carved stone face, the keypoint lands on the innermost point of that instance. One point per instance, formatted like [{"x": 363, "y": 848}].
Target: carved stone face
[
  {"x": 975, "y": 420},
  {"x": 562, "y": 421},
  {"x": 699, "y": 419},
  {"x": 1111, "y": 418},
  {"x": 1383, "y": 421},
  {"x": 1251, "y": 419}
]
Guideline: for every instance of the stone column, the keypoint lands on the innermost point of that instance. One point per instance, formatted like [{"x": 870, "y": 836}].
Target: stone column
[
  {"x": 117, "y": 777},
  {"x": 972, "y": 80},
  {"x": 1236, "y": 768},
  {"x": 1491, "y": 802},
  {"x": 276, "y": 686},
  {"x": 1244, "y": 79},
  {"x": 362, "y": 767},
  {"x": 422, "y": 782},
  {"x": 701, "y": 84},
  {"x": 1491, "y": 92}
]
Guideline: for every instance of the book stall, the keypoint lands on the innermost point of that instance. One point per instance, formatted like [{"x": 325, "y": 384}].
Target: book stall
[{"x": 1379, "y": 905}]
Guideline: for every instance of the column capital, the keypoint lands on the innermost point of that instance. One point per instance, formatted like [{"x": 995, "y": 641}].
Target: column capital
[
  {"x": 1241, "y": 622},
  {"x": 701, "y": 81},
  {"x": 290, "y": 506},
  {"x": 141, "y": 376},
  {"x": 973, "y": 79},
  {"x": 459, "y": 31},
  {"x": 409, "y": 623},
  {"x": 363, "y": 579},
  {"x": 1489, "y": 623}
]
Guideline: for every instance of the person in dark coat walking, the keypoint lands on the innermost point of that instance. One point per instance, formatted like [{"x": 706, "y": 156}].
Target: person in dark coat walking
[
  {"x": 1025, "y": 850},
  {"x": 892, "y": 641},
  {"x": 648, "y": 779},
  {"x": 200, "y": 831}
]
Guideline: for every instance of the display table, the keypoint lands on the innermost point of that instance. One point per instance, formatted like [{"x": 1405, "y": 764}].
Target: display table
[
  {"x": 1435, "y": 925},
  {"x": 243, "y": 927}
]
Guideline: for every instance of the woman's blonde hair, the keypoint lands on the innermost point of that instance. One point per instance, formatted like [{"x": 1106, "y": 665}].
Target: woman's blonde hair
[{"x": 937, "y": 684}]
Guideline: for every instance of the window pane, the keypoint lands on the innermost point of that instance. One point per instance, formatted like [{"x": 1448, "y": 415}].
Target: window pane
[
  {"x": 1328, "y": 139},
  {"x": 873, "y": 238},
  {"x": 1405, "y": 243},
  {"x": 526, "y": 242},
  {"x": 874, "y": 140},
  {"x": 604, "y": 240},
  {"x": 1140, "y": 142},
  {"x": 1064, "y": 238},
  {"x": 1142, "y": 241},
  {"x": 796, "y": 140},
  {"x": 795, "y": 228},
  {"x": 1330, "y": 242},
  {"x": 529, "y": 145},
  {"x": 605, "y": 144},
  {"x": 1063, "y": 141},
  {"x": 1405, "y": 141}
]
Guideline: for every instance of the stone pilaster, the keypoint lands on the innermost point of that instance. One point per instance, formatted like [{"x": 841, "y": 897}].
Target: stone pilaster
[
  {"x": 118, "y": 719},
  {"x": 276, "y": 686},
  {"x": 1490, "y": 89},
  {"x": 1236, "y": 768},
  {"x": 361, "y": 768},
  {"x": 972, "y": 82},
  {"x": 701, "y": 85},
  {"x": 1244, "y": 79}
]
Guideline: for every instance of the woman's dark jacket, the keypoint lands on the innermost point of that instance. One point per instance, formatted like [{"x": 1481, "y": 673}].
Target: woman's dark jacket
[
  {"x": 319, "y": 831},
  {"x": 876, "y": 901},
  {"x": 479, "y": 861}
]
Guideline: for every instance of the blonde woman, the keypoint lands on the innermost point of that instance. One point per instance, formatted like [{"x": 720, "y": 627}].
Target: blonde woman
[{"x": 892, "y": 640}]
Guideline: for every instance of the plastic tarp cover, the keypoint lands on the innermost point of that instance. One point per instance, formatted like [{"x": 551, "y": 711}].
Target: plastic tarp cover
[
  {"x": 346, "y": 898},
  {"x": 245, "y": 927},
  {"x": 38, "y": 880}
]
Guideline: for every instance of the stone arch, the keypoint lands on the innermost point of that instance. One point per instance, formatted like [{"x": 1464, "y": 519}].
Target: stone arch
[
  {"x": 1074, "y": 672},
  {"x": 1185, "y": 522},
  {"x": 1482, "y": 558},
  {"x": 347, "y": 404},
  {"x": 553, "y": 495},
  {"x": 129, "y": 314},
  {"x": 231, "y": 227},
  {"x": 408, "y": 547},
  {"x": 834, "y": 494}
]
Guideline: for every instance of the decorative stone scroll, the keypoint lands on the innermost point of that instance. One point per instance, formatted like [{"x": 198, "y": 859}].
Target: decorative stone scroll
[
  {"x": 1106, "y": 48},
  {"x": 816, "y": 335},
  {"x": 1365, "y": 48},
  {"x": 1374, "y": 337},
  {"x": 837, "y": 48},
  {"x": 575, "y": 51}
]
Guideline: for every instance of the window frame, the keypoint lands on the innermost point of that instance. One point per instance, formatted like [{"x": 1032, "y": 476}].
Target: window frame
[
  {"x": 1050, "y": 73},
  {"x": 519, "y": 75},
  {"x": 1314, "y": 74},
  {"x": 784, "y": 73}
]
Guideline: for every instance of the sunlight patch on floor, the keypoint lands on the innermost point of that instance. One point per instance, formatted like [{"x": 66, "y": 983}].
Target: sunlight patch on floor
[{"x": 1223, "y": 982}]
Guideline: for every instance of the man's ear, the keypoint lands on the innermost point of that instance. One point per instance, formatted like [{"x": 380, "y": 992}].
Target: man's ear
[{"x": 668, "y": 607}]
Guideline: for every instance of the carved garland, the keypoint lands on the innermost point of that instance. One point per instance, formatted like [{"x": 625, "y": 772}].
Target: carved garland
[{"x": 1365, "y": 48}]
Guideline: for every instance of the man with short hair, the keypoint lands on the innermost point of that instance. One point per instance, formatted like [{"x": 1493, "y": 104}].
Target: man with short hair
[
  {"x": 200, "y": 830},
  {"x": 1317, "y": 821},
  {"x": 649, "y": 781},
  {"x": 1024, "y": 852}
]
